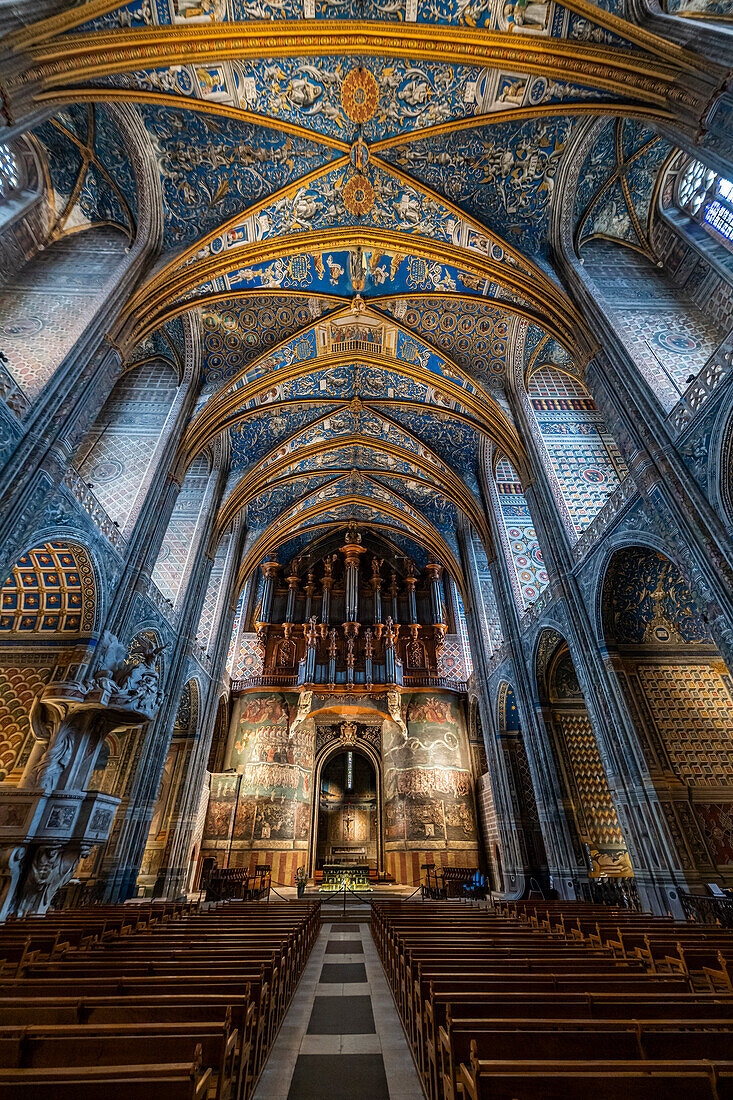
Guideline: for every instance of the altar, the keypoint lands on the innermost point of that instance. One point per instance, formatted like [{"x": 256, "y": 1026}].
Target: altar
[{"x": 336, "y": 876}]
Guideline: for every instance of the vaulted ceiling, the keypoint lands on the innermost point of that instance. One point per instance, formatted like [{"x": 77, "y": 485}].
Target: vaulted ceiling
[{"x": 353, "y": 199}]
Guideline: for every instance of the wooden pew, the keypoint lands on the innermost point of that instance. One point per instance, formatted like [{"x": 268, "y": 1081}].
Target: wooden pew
[
  {"x": 577, "y": 1040},
  {"x": 152, "y": 991},
  {"x": 603, "y": 1080}
]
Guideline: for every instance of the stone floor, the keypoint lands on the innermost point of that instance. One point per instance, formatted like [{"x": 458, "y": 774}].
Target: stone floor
[{"x": 342, "y": 1038}]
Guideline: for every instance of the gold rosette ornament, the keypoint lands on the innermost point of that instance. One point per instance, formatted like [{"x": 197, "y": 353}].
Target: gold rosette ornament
[
  {"x": 359, "y": 95},
  {"x": 358, "y": 195}
]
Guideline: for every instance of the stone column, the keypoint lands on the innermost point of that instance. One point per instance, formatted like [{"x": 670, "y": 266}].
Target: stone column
[{"x": 635, "y": 801}]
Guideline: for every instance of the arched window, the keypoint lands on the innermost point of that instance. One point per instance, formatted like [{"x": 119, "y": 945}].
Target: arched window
[
  {"x": 708, "y": 198},
  {"x": 9, "y": 173}
]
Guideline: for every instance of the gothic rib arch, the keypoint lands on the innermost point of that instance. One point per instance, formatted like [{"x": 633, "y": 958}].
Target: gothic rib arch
[
  {"x": 655, "y": 76},
  {"x": 66, "y": 20},
  {"x": 517, "y": 257},
  {"x": 278, "y": 533},
  {"x": 602, "y": 108},
  {"x": 447, "y": 483},
  {"x": 154, "y": 303},
  {"x": 228, "y": 388},
  {"x": 487, "y": 420}
]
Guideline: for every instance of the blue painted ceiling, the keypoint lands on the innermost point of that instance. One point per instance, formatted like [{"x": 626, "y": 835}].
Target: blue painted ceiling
[{"x": 419, "y": 231}]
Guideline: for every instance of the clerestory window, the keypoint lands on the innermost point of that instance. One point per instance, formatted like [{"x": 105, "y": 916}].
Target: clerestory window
[
  {"x": 708, "y": 198},
  {"x": 9, "y": 173}
]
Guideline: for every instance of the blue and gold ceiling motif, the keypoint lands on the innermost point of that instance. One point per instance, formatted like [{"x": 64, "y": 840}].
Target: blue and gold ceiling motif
[
  {"x": 356, "y": 219},
  {"x": 617, "y": 185}
]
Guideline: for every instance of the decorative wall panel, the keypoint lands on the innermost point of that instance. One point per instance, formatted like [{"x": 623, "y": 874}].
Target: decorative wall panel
[
  {"x": 45, "y": 307},
  {"x": 116, "y": 454},
  {"x": 692, "y": 711},
  {"x": 585, "y": 458}
]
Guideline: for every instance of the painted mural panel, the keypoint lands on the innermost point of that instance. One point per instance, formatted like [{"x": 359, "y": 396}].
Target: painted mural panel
[
  {"x": 221, "y": 807},
  {"x": 428, "y": 789},
  {"x": 273, "y": 804}
]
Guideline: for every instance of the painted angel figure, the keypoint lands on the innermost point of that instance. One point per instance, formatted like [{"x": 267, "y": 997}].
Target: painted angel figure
[{"x": 526, "y": 15}]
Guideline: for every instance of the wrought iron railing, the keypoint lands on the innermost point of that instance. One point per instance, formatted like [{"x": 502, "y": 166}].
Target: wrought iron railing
[
  {"x": 707, "y": 910},
  {"x": 611, "y": 891}
]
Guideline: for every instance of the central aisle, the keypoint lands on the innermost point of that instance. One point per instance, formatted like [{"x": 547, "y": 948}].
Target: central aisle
[{"x": 342, "y": 1038}]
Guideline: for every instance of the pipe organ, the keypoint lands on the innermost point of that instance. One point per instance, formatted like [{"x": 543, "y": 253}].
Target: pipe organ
[{"x": 352, "y": 617}]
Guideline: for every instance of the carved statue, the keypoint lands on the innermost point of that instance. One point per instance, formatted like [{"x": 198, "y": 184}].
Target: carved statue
[
  {"x": 304, "y": 705},
  {"x": 368, "y": 643},
  {"x": 51, "y": 867},
  {"x": 111, "y": 656},
  {"x": 332, "y": 642},
  {"x": 352, "y": 532},
  {"x": 391, "y": 635},
  {"x": 56, "y": 738},
  {"x": 138, "y": 684},
  {"x": 394, "y": 706},
  {"x": 311, "y": 634}
]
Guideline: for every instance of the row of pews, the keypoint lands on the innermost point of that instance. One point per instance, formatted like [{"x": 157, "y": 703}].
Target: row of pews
[
  {"x": 559, "y": 1000},
  {"x": 165, "y": 1002}
]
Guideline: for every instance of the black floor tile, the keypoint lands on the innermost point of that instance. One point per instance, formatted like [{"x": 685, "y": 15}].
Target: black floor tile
[
  {"x": 345, "y": 947},
  {"x": 346, "y": 926},
  {"x": 343, "y": 972},
  {"x": 341, "y": 1016},
  {"x": 339, "y": 1077}
]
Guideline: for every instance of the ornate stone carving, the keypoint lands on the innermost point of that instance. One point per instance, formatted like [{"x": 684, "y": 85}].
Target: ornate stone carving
[{"x": 394, "y": 706}]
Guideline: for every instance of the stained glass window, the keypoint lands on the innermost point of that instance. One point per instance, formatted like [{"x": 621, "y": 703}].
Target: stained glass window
[
  {"x": 9, "y": 173},
  {"x": 708, "y": 198}
]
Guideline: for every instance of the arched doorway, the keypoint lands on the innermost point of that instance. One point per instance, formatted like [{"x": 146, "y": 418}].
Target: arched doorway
[{"x": 347, "y": 809}]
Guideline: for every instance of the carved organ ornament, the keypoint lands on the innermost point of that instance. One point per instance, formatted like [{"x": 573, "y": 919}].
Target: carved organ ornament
[{"x": 351, "y": 617}]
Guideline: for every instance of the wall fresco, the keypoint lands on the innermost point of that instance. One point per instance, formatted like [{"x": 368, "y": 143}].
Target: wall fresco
[{"x": 428, "y": 788}]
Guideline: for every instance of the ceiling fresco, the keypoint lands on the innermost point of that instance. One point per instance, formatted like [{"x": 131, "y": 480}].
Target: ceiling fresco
[
  {"x": 502, "y": 175},
  {"x": 538, "y": 18},
  {"x": 617, "y": 182},
  {"x": 91, "y": 177},
  {"x": 237, "y": 331},
  {"x": 361, "y": 236},
  {"x": 213, "y": 168},
  {"x": 472, "y": 333}
]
